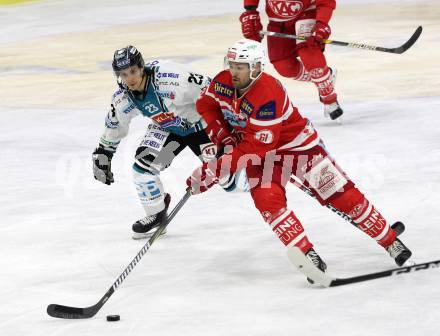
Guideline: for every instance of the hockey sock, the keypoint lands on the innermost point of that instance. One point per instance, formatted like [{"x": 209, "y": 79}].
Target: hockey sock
[
  {"x": 323, "y": 79},
  {"x": 365, "y": 215},
  {"x": 290, "y": 231},
  {"x": 150, "y": 191}
]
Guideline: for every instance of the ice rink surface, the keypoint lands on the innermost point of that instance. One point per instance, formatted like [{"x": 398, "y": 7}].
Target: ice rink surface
[{"x": 64, "y": 238}]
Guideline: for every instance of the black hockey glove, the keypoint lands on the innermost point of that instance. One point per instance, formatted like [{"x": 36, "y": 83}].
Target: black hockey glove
[{"x": 102, "y": 165}]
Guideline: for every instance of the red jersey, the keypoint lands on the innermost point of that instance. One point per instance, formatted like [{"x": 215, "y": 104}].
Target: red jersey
[
  {"x": 287, "y": 10},
  {"x": 263, "y": 115}
]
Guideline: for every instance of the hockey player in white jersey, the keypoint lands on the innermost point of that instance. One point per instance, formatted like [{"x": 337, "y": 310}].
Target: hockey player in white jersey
[{"x": 166, "y": 93}]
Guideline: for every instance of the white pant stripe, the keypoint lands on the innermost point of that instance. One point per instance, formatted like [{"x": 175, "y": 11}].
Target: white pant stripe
[{"x": 280, "y": 218}]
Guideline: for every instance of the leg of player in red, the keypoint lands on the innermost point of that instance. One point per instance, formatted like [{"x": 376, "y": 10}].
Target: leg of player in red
[
  {"x": 303, "y": 61},
  {"x": 332, "y": 186},
  {"x": 282, "y": 220},
  {"x": 311, "y": 65}
]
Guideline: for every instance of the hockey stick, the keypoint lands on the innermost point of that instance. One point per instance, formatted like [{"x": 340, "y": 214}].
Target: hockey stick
[
  {"x": 311, "y": 271},
  {"x": 399, "y": 227},
  {"x": 398, "y": 50},
  {"x": 67, "y": 312}
]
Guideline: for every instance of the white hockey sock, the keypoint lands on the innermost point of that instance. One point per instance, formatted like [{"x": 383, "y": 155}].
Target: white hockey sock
[{"x": 150, "y": 192}]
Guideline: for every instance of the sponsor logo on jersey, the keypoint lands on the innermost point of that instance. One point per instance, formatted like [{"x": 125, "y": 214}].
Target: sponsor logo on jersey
[
  {"x": 165, "y": 82},
  {"x": 166, "y": 94},
  {"x": 264, "y": 136},
  {"x": 223, "y": 90},
  {"x": 127, "y": 109},
  {"x": 164, "y": 119},
  {"x": 286, "y": 9},
  {"x": 117, "y": 92},
  {"x": 167, "y": 75},
  {"x": 267, "y": 111},
  {"x": 151, "y": 144},
  {"x": 159, "y": 136},
  {"x": 246, "y": 107},
  {"x": 239, "y": 120}
]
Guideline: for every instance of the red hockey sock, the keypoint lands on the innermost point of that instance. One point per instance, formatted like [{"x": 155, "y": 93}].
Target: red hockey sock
[
  {"x": 290, "y": 231},
  {"x": 365, "y": 215},
  {"x": 323, "y": 79}
]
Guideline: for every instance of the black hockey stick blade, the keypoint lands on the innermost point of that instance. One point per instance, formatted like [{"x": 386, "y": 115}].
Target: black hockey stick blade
[
  {"x": 408, "y": 44},
  {"x": 326, "y": 280},
  {"x": 67, "y": 312},
  {"x": 387, "y": 273}
]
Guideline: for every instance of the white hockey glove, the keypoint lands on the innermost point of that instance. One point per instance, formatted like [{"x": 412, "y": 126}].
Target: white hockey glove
[{"x": 102, "y": 165}]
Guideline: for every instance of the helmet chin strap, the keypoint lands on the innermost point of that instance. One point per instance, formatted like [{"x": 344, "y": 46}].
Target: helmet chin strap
[{"x": 253, "y": 79}]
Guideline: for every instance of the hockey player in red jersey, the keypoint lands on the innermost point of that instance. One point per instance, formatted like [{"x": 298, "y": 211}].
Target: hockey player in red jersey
[
  {"x": 274, "y": 143},
  {"x": 306, "y": 18}
]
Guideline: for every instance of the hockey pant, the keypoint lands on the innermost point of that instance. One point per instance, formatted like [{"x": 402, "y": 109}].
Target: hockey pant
[
  {"x": 319, "y": 172},
  {"x": 156, "y": 152}
]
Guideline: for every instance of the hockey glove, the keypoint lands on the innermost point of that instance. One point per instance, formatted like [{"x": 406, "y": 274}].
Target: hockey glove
[
  {"x": 102, "y": 165},
  {"x": 221, "y": 137},
  {"x": 320, "y": 32},
  {"x": 202, "y": 178},
  {"x": 251, "y": 25}
]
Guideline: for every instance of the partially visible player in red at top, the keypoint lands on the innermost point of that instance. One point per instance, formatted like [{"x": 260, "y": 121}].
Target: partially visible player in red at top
[
  {"x": 274, "y": 142},
  {"x": 299, "y": 60}
]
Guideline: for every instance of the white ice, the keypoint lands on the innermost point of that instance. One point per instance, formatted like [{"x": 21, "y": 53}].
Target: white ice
[{"x": 64, "y": 237}]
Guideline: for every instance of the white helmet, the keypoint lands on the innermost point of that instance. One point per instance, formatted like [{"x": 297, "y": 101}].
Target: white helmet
[{"x": 247, "y": 51}]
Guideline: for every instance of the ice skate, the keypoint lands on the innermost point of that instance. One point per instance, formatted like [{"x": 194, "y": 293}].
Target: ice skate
[
  {"x": 399, "y": 252},
  {"x": 316, "y": 260},
  {"x": 333, "y": 111},
  {"x": 147, "y": 226}
]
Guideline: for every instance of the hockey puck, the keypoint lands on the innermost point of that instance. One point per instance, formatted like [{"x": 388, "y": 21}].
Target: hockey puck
[{"x": 113, "y": 318}]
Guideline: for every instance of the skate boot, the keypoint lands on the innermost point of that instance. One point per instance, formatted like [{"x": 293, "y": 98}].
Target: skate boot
[
  {"x": 334, "y": 111},
  {"x": 399, "y": 252},
  {"x": 147, "y": 226},
  {"x": 316, "y": 260}
]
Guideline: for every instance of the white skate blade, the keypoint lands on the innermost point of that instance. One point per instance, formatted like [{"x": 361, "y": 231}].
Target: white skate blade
[
  {"x": 308, "y": 268},
  {"x": 339, "y": 120},
  {"x": 146, "y": 235}
]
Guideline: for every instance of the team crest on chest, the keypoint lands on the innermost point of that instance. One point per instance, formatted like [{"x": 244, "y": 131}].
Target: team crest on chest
[{"x": 286, "y": 8}]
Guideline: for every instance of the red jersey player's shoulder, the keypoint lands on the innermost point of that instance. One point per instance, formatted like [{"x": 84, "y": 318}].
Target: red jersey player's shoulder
[
  {"x": 223, "y": 77},
  {"x": 268, "y": 88},
  {"x": 267, "y": 99},
  {"x": 221, "y": 85}
]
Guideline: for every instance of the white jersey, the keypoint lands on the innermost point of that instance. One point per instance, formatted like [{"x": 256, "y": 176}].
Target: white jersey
[{"x": 169, "y": 101}]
